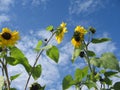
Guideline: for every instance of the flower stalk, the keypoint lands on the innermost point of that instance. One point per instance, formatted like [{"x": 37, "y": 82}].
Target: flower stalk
[{"x": 37, "y": 58}]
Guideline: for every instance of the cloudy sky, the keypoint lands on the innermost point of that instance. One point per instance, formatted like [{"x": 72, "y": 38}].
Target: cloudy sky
[{"x": 31, "y": 17}]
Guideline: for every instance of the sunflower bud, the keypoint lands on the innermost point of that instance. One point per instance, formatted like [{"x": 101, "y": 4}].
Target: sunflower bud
[
  {"x": 82, "y": 54},
  {"x": 92, "y": 30}
]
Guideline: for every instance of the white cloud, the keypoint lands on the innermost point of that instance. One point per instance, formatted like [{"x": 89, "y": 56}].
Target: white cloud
[
  {"x": 84, "y": 6},
  {"x": 39, "y": 2},
  {"x": 4, "y": 18},
  {"x": 5, "y": 5}
]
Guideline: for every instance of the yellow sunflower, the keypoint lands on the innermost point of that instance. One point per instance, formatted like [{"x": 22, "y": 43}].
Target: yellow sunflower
[
  {"x": 78, "y": 36},
  {"x": 8, "y": 38},
  {"x": 60, "y": 32}
]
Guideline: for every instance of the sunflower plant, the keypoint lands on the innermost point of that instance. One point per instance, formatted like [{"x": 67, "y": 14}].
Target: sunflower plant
[{"x": 98, "y": 69}]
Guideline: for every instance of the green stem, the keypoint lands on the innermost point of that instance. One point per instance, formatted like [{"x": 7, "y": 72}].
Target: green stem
[
  {"x": 7, "y": 77},
  {"x": 37, "y": 58},
  {"x": 87, "y": 57}
]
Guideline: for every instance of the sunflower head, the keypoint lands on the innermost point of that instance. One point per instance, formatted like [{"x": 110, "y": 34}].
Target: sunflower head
[
  {"x": 61, "y": 30},
  {"x": 8, "y": 38},
  {"x": 78, "y": 36},
  {"x": 81, "y": 29}
]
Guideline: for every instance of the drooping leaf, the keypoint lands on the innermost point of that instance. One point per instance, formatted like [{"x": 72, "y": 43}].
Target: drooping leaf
[
  {"x": 14, "y": 77},
  {"x": 116, "y": 86},
  {"x": 36, "y": 72},
  {"x": 110, "y": 73},
  {"x": 90, "y": 53},
  {"x": 39, "y": 44},
  {"x": 109, "y": 61},
  {"x": 1, "y": 82},
  {"x": 100, "y": 40},
  {"x": 75, "y": 54},
  {"x": 67, "y": 82},
  {"x": 17, "y": 57},
  {"x": 53, "y": 53},
  {"x": 50, "y": 28}
]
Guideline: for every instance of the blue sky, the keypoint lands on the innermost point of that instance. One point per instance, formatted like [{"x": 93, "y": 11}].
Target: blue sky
[{"x": 31, "y": 17}]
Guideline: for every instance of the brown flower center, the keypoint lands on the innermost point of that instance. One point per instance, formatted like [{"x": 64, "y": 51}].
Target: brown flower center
[
  {"x": 77, "y": 36},
  {"x": 6, "y": 35}
]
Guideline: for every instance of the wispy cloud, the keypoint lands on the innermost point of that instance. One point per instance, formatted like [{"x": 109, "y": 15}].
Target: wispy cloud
[
  {"x": 84, "y": 6},
  {"x": 5, "y": 5},
  {"x": 4, "y": 18}
]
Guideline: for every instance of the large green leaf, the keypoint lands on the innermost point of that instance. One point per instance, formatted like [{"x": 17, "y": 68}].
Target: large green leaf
[
  {"x": 109, "y": 61},
  {"x": 53, "y": 53},
  {"x": 14, "y": 77},
  {"x": 17, "y": 57},
  {"x": 1, "y": 82},
  {"x": 100, "y": 40},
  {"x": 80, "y": 74},
  {"x": 39, "y": 44},
  {"x": 95, "y": 61},
  {"x": 36, "y": 72},
  {"x": 67, "y": 82}
]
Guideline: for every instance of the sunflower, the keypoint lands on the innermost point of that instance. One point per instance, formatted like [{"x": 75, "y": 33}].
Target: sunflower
[
  {"x": 78, "y": 36},
  {"x": 61, "y": 30},
  {"x": 8, "y": 38}
]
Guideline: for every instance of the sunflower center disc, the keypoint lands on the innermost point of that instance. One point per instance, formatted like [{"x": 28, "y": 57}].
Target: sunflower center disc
[{"x": 6, "y": 35}]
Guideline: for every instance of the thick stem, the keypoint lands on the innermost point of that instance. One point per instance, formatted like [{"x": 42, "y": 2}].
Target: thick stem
[{"x": 37, "y": 58}]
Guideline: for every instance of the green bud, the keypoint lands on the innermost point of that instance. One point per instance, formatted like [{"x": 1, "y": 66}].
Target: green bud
[{"x": 92, "y": 30}]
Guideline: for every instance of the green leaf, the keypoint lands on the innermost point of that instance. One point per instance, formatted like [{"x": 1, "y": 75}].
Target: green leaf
[
  {"x": 36, "y": 72},
  {"x": 13, "y": 89},
  {"x": 100, "y": 40},
  {"x": 107, "y": 81},
  {"x": 39, "y": 44},
  {"x": 117, "y": 86},
  {"x": 90, "y": 53},
  {"x": 80, "y": 74},
  {"x": 14, "y": 77},
  {"x": 75, "y": 54},
  {"x": 17, "y": 57},
  {"x": 67, "y": 82},
  {"x": 50, "y": 28},
  {"x": 109, "y": 61},
  {"x": 46, "y": 47},
  {"x": 110, "y": 73},
  {"x": 91, "y": 84},
  {"x": 53, "y": 53},
  {"x": 1, "y": 82},
  {"x": 95, "y": 61}
]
